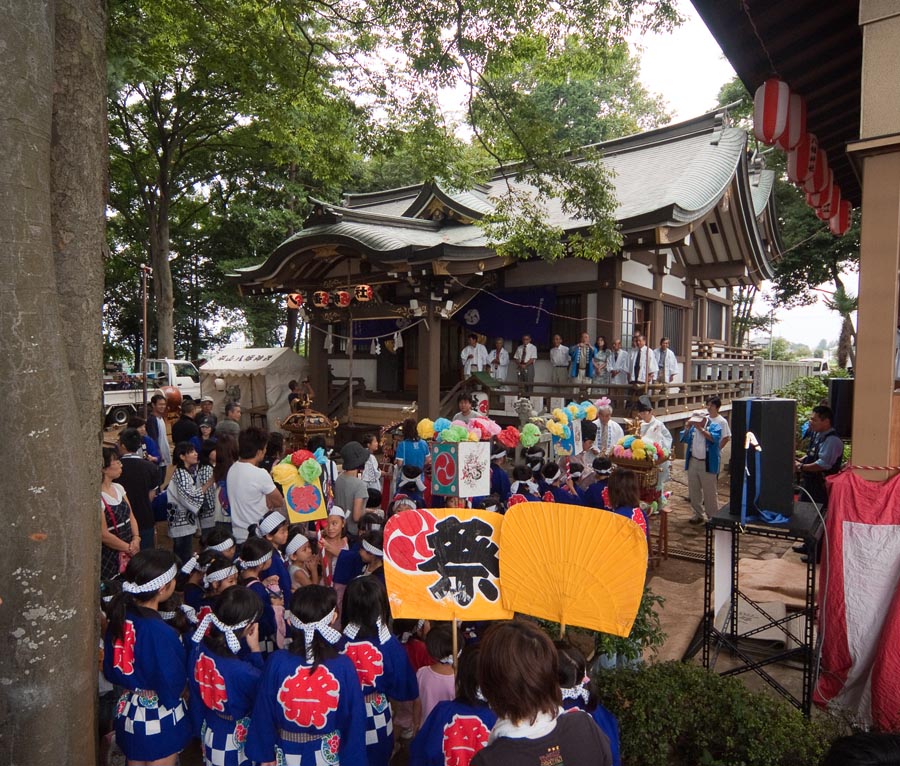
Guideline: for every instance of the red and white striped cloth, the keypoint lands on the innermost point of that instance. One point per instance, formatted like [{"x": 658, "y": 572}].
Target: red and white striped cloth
[{"x": 859, "y": 601}]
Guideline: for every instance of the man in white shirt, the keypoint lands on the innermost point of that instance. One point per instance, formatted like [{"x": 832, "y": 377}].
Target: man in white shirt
[
  {"x": 251, "y": 491},
  {"x": 525, "y": 357},
  {"x": 666, "y": 362},
  {"x": 642, "y": 366},
  {"x": 706, "y": 433},
  {"x": 498, "y": 360},
  {"x": 559, "y": 362},
  {"x": 618, "y": 364},
  {"x": 474, "y": 357},
  {"x": 608, "y": 431}
]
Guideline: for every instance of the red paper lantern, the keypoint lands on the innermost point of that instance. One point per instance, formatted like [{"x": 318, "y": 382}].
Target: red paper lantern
[
  {"x": 796, "y": 123},
  {"x": 295, "y": 300},
  {"x": 801, "y": 160},
  {"x": 840, "y": 221},
  {"x": 770, "y": 110},
  {"x": 342, "y": 299},
  {"x": 820, "y": 178},
  {"x": 363, "y": 293},
  {"x": 832, "y": 201},
  {"x": 321, "y": 299}
]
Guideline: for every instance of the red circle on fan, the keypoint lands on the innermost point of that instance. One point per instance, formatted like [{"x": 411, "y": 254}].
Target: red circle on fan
[
  {"x": 483, "y": 406},
  {"x": 445, "y": 468},
  {"x": 304, "y": 498},
  {"x": 406, "y": 546}
]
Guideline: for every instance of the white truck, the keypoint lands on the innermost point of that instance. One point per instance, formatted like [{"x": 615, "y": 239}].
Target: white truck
[{"x": 123, "y": 396}]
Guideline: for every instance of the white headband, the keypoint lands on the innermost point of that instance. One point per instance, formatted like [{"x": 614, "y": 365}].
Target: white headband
[
  {"x": 270, "y": 523},
  {"x": 190, "y": 613},
  {"x": 528, "y": 486},
  {"x": 409, "y": 634},
  {"x": 367, "y": 546},
  {"x": 258, "y": 562},
  {"x": 555, "y": 475},
  {"x": 336, "y": 510},
  {"x": 155, "y": 584},
  {"x": 420, "y": 485},
  {"x": 322, "y": 627},
  {"x": 222, "y": 546},
  {"x": 384, "y": 634},
  {"x": 191, "y": 564},
  {"x": 576, "y": 692},
  {"x": 498, "y": 455},
  {"x": 295, "y": 544},
  {"x": 219, "y": 574},
  {"x": 230, "y": 638},
  {"x": 448, "y": 660}
]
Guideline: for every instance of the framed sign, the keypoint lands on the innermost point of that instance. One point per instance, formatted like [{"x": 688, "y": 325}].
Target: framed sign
[{"x": 461, "y": 470}]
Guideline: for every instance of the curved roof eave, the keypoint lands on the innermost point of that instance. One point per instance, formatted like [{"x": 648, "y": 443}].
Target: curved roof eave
[{"x": 761, "y": 268}]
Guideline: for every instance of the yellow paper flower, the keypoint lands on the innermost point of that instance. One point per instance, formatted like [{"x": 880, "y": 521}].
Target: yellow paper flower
[
  {"x": 559, "y": 414},
  {"x": 590, "y": 412},
  {"x": 639, "y": 454},
  {"x": 425, "y": 429},
  {"x": 555, "y": 428},
  {"x": 573, "y": 409},
  {"x": 285, "y": 474},
  {"x": 474, "y": 436}
]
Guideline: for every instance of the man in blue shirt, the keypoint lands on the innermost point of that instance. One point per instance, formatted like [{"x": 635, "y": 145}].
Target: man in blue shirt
[{"x": 824, "y": 457}]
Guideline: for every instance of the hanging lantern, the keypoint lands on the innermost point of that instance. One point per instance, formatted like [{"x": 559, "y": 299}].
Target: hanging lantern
[
  {"x": 832, "y": 201},
  {"x": 321, "y": 299},
  {"x": 840, "y": 221},
  {"x": 363, "y": 293},
  {"x": 819, "y": 179},
  {"x": 295, "y": 301},
  {"x": 801, "y": 160},
  {"x": 770, "y": 110},
  {"x": 342, "y": 299},
  {"x": 796, "y": 123},
  {"x": 816, "y": 200}
]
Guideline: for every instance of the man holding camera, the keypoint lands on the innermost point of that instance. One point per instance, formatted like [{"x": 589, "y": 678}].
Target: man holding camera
[{"x": 706, "y": 433}]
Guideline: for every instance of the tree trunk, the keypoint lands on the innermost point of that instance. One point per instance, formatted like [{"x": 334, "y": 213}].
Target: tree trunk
[
  {"x": 162, "y": 279},
  {"x": 290, "y": 334},
  {"x": 53, "y": 146}
]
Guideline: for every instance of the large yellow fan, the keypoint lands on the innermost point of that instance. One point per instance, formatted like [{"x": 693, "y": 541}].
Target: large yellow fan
[{"x": 574, "y": 565}]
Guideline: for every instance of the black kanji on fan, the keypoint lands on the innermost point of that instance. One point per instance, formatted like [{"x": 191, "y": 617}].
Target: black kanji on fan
[{"x": 463, "y": 554}]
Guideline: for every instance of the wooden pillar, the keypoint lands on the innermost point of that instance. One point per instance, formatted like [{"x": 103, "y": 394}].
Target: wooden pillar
[
  {"x": 687, "y": 334},
  {"x": 429, "y": 398},
  {"x": 874, "y": 406},
  {"x": 318, "y": 365}
]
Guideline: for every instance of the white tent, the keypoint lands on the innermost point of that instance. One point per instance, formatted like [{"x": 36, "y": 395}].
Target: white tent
[{"x": 257, "y": 378}]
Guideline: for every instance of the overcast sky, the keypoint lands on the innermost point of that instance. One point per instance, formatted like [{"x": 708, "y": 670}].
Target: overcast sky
[{"x": 687, "y": 67}]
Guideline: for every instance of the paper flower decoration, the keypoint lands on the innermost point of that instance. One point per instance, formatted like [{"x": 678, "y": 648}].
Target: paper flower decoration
[
  {"x": 454, "y": 434},
  {"x": 461, "y": 424},
  {"x": 310, "y": 470},
  {"x": 299, "y": 457},
  {"x": 629, "y": 440},
  {"x": 555, "y": 428},
  {"x": 573, "y": 410},
  {"x": 530, "y": 435},
  {"x": 487, "y": 426},
  {"x": 590, "y": 412},
  {"x": 560, "y": 415},
  {"x": 628, "y": 454},
  {"x": 567, "y": 432},
  {"x": 603, "y": 401},
  {"x": 285, "y": 474},
  {"x": 509, "y": 437},
  {"x": 425, "y": 429},
  {"x": 440, "y": 424},
  {"x": 475, "y": 435}
]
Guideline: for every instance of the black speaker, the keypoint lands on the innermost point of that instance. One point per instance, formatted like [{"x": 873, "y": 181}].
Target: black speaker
[
  {"x": 840, "y": 399},
  {"x": 773, "y": 422}
]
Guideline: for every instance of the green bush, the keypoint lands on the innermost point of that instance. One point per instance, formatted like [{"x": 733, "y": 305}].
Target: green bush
[{"x": 678, "y": 714}]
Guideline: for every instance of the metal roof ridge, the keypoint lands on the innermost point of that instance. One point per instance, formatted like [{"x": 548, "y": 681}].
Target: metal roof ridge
[{"x": 357, "y": 215}]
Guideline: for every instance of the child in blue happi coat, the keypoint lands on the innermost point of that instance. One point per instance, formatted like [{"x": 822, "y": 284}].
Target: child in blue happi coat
[
  {"x": 274, "y": 527},
  {"x": 577, "y": 694},
  {"x": 500, "y": 484},
  {"x": 145, "y": 656},
  {"x": 411, "y": 484},
  {"x": 309, "y": 710},
  {"x": 560, "y": 488},
  {"x": 523, "y": 487},
  {"x": 381, "y": 663},
  {"x": 256, "y": 553},
  {"x": 456, "y": 730},
  {"x": 224, "y": 670},
  {"x": 624, "y": 492},
  {"x": 594, "y": 495}
]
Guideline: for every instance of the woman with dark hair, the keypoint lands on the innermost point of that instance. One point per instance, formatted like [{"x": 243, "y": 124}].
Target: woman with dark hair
[
  {"x": 119, "y": 536},
  {"x": 274, "y": 451},
  {"x": 518, "y": 673},
  {"x": 256, "y": 555},
  {"x": 224, "y": 670},
  {"x": 309, "y": 708},
  {"x": 368, "y": 643},
  {"x": 602, "y": 356},
  {"x": 411, "y": 450},
  {"x": 185, "y": 499},
  {"x": 865, "y": 748},
  {"x": 624, "y": 492},
  {"x": 226, "y": 456},
  {"x": 205, "y": 468},
  {"x": 456, "y": 730},
  {"x": 146, "y": 656},
  {"x": 578, "y": 695}
]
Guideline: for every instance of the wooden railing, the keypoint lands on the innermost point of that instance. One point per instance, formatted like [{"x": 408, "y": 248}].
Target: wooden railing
[{"x": 716, "y": 349}]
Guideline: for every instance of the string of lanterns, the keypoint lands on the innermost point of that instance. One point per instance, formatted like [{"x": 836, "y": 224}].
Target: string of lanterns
[
  {"x": 340, "y": 298},
  {"x": 779, "y": 119}
]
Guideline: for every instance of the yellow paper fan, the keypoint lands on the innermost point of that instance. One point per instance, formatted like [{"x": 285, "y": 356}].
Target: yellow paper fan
[{"x": 573, "y": 565}]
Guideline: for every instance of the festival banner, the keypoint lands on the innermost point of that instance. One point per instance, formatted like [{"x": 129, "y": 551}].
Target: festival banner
[
  {"x": 444, "y": 564},
  {"x": 461, "y": 469},
  {"x": 305, "y": 502}
]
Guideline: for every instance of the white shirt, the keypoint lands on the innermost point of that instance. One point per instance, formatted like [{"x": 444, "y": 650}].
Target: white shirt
[
  {"x": 607, "y": 436},
  {"x": 657, "y": 432},
  {"x": 165, "y": 454},
  {"x": 666, "y": 361},
  {"x": 699, "y": 443},
  {"x": 647, "y": 359},
  {"x": 473, "y": 358},
  {"x": 499, "y": 371},
  {"x": 559, "y": 356},
  {"x": 526, "y": 353},
  {"x": 617, "y": 364},
  {"x": 247, "y": 486}
]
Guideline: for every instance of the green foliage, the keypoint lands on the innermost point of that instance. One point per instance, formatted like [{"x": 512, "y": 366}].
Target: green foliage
[{"x": 678, "y": 714}]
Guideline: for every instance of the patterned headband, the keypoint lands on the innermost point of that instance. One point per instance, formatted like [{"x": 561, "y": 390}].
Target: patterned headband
[
  {"x": 228, "y": 630},
  {"x": 322, "y": 627},
  {"x": 576, "y": 692},
  {"x": 270, "y": 523},
  {"x": 191, "y": 564},
  {"x": 222, "y": 546},
  {"x": 367, "y": 546},
  {"x": 218, "y": 575},
  {"x": 295, "y": 544},
  {"x": 258, "y": 562},
  {"x": 352, "y": 630},
  {"x": 155, "y": 584}
]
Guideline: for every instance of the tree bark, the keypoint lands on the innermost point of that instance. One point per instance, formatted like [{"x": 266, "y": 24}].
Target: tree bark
[
  {"x": 290, "y": 333},
  {"x": 52, "y": 180},
  {"x": 162, "y": 278}
]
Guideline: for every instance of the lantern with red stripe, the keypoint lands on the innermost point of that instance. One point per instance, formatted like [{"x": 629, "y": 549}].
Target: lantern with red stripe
[
  {"x": 832, "y": 201},
  {"x": 796, "y": 123},
  {"x": 820, "y": 178},
  {"x": 770, "y": 110},
  {"x": 816, "y": 200},
  {"x": 321, "y": 299},
  {"x": 840, "y": 221},
  {"x": 363, "y": 293},
  {"x": 295, "y": 301},
  {"x": 342, "y": 299},
  {"x": 801, "y": 160}
]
